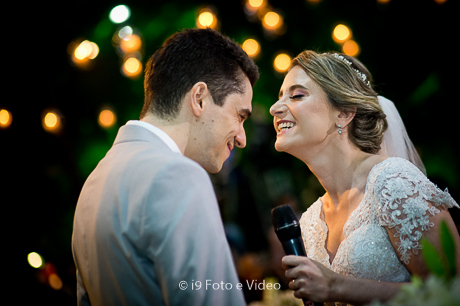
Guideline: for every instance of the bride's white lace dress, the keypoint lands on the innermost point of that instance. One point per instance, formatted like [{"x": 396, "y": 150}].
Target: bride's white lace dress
[{"x": 398, "y": 195}]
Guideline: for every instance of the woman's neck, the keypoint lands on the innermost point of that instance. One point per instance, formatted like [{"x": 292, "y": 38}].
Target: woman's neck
[{"x": 342, "y": 171}]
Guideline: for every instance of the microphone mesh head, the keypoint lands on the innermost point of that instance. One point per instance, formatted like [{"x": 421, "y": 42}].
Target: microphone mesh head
[{"x": 283, "y": 215}]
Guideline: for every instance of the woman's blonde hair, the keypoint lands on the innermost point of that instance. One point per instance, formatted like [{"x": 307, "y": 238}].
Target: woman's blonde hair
[{"x": 342, "y": 79}]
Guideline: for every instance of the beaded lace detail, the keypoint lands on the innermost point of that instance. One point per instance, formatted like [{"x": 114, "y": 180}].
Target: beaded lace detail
[{"x": 398, "y": 196}]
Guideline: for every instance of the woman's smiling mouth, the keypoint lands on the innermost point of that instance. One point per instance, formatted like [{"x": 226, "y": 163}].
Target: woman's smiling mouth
[{"x": 284, "y": 125}]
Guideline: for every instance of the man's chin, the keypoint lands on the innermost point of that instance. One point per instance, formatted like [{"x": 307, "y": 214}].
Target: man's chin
[{"x": 213, "y": 168}]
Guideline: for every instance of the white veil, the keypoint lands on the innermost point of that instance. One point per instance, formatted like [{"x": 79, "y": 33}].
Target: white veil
[{"x": 396, "y": 142}]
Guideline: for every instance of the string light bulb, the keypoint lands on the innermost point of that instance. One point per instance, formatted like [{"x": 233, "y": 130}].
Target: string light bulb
[
  {"x": 86, "y": 49},
  {"x": 272, "y": 21},
  {"x": 119, "y": 14},
  {"x": 251, "y": 47},
  {"x": 282, "y": 62},
  {"x": 107, "y": 118},
  {"x": 207, "y": 19},
  {"x": 132, "y": 68},
  {"x": 5, "y": 118},
  {"x": 35, "y": 260},
  {"x": 55, "y": 281},
  {"x": 131, "y": 43},
  {"x": 82, "y": 53},
  {"x": 350, "y": 47},
  {"x": 51, "y": 121},
  {"x": 341, "y": 33}
]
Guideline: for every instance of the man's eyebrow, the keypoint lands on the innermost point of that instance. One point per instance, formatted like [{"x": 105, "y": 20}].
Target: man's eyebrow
[{"x": 246, "y": 112}]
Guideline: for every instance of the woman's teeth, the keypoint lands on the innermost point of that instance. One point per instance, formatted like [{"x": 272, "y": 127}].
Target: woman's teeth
[{"x": 285, "y": 126}]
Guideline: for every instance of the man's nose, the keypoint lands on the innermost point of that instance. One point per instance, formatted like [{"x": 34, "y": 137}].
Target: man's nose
[{"x": 240, "y": 138}]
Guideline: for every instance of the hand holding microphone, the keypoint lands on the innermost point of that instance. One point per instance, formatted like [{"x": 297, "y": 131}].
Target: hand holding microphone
[{"x": 287, "y": 228}]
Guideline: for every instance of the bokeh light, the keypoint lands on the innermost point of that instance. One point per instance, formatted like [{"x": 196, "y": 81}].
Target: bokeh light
[
  {"x": 55, "y": 281},
  {"x": 107, "y": 118},
  {"x": 94, "y": 51},
  {"x": 282, "y": 62},
  {"x": 350, "y": 47},
  {"x": 132, "y": 67},
  {"x": 272, "y": 21},
  {"x": 82, "y": 53},
  {"x": 125, "y": 32},
  {"x": 341, "y": 33},
  {"x": 206, "y": 19},
  {"x": 86, "y": 49},
  {"x": 131, "y": 43},
  {"x": 51, "y": 121},
  {"x": 255, "y": 4},
  {"x": 251, "y": 47},
  {"x": 253, "y": 7},
  {"x": 35, "y": 260},
  {"x": 5, "y": 118},
  {"x": 119, "y": 14}
]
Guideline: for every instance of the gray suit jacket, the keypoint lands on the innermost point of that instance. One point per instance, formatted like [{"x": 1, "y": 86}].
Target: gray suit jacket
[{"x": 148, "y": 231}]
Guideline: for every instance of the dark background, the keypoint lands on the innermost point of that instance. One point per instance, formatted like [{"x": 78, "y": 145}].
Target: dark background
[{"x": 409, "y": 47}]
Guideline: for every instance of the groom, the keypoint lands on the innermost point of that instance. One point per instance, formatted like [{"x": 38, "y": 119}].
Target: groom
[{"x": 147, "y": 228}]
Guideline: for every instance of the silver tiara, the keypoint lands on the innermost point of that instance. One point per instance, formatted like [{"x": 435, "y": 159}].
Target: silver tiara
[{"x": 361, "y": 75}]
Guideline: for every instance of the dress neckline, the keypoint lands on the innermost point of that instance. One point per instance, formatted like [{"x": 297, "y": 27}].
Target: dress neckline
[{"x": 323, "y": 222}]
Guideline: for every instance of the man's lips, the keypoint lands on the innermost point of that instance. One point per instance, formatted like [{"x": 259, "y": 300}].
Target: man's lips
[{"x": 230, "y": 148}]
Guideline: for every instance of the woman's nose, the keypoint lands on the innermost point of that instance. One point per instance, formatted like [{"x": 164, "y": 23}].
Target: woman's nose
[{"x": 277, "y": 108}]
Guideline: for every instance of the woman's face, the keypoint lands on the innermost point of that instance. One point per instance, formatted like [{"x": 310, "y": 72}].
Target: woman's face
[{"x": 303, "y": 117}]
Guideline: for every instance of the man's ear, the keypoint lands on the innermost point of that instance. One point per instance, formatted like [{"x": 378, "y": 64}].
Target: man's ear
[{"x": 198, "y": 98}]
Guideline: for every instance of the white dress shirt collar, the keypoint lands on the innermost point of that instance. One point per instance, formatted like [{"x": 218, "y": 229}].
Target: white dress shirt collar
[{"x": 161, "y": 134}]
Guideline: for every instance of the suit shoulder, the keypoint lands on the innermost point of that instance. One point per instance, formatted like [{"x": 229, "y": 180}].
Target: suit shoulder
[
  {"x": 150, "y": 157},
  {"x": 180, "y": 165}
]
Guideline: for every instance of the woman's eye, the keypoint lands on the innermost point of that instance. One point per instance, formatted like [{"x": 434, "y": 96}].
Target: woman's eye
[{"x": 296, "y": 97}]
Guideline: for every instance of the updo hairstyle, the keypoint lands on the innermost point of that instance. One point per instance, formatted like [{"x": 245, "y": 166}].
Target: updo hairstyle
[{"x": 347, "y": 91}]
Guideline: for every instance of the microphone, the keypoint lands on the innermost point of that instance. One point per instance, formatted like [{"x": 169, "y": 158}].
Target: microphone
[{"x": 287, "y": 228}]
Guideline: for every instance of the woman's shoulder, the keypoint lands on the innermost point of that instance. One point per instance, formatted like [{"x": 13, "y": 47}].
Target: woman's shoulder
[
  {"x": 394, "y": 172},
  {"x": 396, "y": 178},
  {"x": 395, "y": 167}
]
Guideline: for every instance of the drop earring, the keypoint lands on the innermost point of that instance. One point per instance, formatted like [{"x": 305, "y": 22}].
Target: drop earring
[{"x": 340, "y": 129}]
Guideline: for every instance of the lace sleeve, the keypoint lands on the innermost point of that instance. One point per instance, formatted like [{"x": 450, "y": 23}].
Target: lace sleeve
[{"x": 407, "y": 201}]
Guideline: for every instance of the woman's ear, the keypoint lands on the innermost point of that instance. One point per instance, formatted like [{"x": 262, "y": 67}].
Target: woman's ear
[
  {"x": 198, "y": 95},
  {"x": 345, "y": 117}
]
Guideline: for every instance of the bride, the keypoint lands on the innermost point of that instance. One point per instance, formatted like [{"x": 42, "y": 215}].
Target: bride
[{"x": 362, "y": 236}]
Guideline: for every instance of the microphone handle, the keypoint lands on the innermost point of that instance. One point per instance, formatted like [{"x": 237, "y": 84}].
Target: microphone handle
[{"x": 296, "y": 247}]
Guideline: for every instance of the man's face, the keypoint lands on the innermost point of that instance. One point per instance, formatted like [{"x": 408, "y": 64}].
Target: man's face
[{"x": 222, "y": 129}]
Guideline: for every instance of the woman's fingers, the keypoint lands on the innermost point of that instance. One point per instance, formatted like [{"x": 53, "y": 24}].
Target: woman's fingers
[
  {"x": 295, "y": 265},
  {"x": 290, "y": 261},
  {"x": 309, "y": 279}
]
